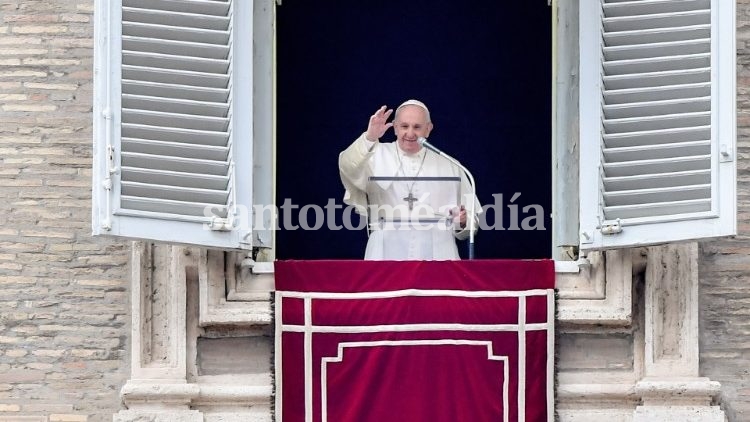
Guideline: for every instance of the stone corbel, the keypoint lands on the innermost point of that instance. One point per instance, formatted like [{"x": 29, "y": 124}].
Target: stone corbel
[
  {"x": 598, "y": 291},
  {"x": 226, "y": 297}
]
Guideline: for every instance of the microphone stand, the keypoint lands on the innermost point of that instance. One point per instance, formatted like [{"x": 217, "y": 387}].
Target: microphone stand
[{"x": 472, "y": 223}]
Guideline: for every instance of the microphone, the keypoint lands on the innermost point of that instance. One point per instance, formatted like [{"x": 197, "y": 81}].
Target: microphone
[
  {"x": 472, "y": 223},
  {"x": 423, "y": 141}
]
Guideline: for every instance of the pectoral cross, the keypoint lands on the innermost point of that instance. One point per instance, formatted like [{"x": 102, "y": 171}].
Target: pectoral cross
[{"x": 411, "y": 199}]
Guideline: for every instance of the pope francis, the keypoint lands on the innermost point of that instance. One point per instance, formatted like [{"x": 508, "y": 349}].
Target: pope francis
[{"x": 414, "y": 200}]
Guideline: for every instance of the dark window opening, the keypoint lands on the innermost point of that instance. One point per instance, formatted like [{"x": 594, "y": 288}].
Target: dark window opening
[{"x": 483, "y": 68}]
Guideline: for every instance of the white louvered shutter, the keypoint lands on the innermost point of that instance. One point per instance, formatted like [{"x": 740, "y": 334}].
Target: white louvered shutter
[
  {"x": 174, "y": 161},
  {"x": 657, "y": 121}
]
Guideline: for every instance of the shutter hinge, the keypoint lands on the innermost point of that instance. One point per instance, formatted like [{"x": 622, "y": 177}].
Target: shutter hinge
[
  {"x": 107, "y": 182},
  {"x": 111, "y": 168},
  {"x": 221, "y": 224},
  {"x": 726, "y": 155},
  {"x": 612, "y": 228}
]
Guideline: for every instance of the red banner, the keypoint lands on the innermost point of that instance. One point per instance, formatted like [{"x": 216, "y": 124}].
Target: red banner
[{"x": 433, "y": 341}]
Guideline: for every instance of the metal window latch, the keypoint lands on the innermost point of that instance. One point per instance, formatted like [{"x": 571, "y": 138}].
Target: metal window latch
[{"x": 612, "y": 227}]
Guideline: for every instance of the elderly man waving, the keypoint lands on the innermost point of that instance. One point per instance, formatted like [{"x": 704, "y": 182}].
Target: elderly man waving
[{"x": 414, "y": 199}]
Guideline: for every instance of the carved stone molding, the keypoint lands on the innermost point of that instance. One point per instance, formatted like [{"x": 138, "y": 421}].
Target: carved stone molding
[
  {"x": 164, "y": 328},
  {"x": 236, "y": 293},
  {"x": 597, "y": 392},
  {"x": 248, "y": 280},
  {"x": 672, "y": 311},
  {"x": 678, "y": 400},
  {"x": 157, "y": 390},
  {"x": 158, "y": 317},
  {"x": 664, "y": 382},
  {"x": 158, "y": 415},
  {"x": 596, "y": 402},
  {"x": 221, "y": 302},
  {"x": 671, "y": 389},
  {"x": 233, "y": 292},
  {"x": 599, "y": 292},
  {"x": 233, "y": 395}
]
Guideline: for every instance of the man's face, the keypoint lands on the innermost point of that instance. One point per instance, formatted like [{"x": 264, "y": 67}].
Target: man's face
[{"x": 411, "y": 124}]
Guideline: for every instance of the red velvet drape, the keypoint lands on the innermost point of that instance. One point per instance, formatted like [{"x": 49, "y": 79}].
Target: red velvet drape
[{"x": 432, "y": 341}]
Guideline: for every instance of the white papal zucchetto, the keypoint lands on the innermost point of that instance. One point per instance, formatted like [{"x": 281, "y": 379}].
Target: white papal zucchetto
[{"x": 415, "y": 103}]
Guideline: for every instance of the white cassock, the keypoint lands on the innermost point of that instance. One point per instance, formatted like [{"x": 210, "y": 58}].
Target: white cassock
[{"x": 416, "y": 235}]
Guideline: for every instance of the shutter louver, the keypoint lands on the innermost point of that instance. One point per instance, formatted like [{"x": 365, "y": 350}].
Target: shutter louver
[
  {"x": 175, "y": 107},
  {"x": 638, "y": 135},
  {"x": 657, "y": 135}
]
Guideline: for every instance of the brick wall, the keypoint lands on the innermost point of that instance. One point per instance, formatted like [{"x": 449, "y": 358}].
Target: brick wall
[
  {"x": 725, "y": 265},
  {"x": 64, "y": 320}
]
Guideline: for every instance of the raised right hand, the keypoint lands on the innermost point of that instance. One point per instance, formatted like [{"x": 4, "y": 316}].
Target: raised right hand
[{"x": 378, "y": 124}]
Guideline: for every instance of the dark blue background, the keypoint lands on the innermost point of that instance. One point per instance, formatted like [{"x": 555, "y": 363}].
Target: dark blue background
[{"x": 483, "y": 68}]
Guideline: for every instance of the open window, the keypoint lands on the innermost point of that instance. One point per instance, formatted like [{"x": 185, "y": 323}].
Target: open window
[
  {"x": 182, "y": 120},
  {"x": 175, "y": 80}
]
